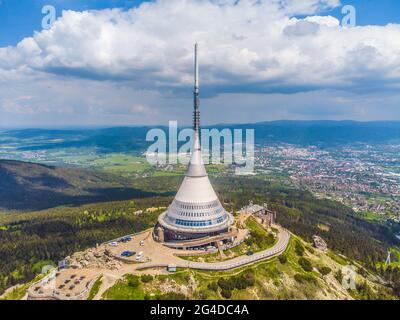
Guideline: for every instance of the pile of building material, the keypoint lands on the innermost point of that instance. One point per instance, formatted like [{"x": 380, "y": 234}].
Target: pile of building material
[
  {"x": 320, "y": 244},
  {"x": 93, "y": 258}
]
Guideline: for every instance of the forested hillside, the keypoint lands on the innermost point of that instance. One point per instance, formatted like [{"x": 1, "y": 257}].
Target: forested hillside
[
  {"x": 31, "y": 240},
  {"x": 27, "y": 240},
  {"x": 29, "y": 186},
  {"x": 300, "y": 212}
]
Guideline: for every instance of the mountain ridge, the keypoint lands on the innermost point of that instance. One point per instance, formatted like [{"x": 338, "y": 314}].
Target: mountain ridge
[
  {"x": 133, "y": 139},
  {"x": 38, "y": 186}
]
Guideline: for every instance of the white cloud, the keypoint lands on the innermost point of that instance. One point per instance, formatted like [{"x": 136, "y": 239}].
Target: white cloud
[
  {"x": 302, "y": 28},
  {"x": 152, "y": 45},
  {"x": 245, "y": 46},
  {"x": 328, "y": 21}
]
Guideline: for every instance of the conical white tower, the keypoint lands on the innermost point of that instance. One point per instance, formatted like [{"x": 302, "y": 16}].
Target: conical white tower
[{"x": 196, "y": 210}]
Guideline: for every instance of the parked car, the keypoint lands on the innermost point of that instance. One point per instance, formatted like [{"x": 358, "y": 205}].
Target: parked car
[
  {"x": 142, "y": 243},
  {"x": 113, "y": 244},
  {"x": 127, "y": 254},
  {"x": 250, "y": 253},
  {"x": 139, "y": 256}
]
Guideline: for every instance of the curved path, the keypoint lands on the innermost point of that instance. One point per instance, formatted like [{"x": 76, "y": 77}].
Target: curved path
[{"x": 277, "y": 249}]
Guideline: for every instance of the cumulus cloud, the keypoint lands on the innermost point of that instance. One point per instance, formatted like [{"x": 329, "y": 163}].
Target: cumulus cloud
[
  {"x": 247, "y": 46},
  {"x": 152, "y": 46},
  {"x": 302, "y": 28}
]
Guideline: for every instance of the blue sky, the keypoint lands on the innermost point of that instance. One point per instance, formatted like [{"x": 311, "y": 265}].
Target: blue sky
[
  {"x": 19, "y": 18},
  {"x": 259, "y": 61},
  {"x": 375, "y": 12}
]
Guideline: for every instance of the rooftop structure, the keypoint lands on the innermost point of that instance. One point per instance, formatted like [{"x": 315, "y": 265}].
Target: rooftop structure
[
  {"x": 267, "y": 217},
  {"x": 196, "y": 211}
]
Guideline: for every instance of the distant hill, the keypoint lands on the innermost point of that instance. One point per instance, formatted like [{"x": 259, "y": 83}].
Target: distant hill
[
  {"x": 29, "y": 186},
  {"x": 325, "y": 133},
  {"x": 122, "y": 139},
  {"x": 117, "y": 139}
]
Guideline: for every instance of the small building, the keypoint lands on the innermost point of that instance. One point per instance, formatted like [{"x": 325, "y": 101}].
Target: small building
[
  {"x": 267, "y": 217},
  {"x": 171, "y": 268},
  {"x": 63, "y": 264}
]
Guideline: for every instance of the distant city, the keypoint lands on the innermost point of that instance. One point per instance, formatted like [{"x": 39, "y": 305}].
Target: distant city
[{"x": 364, "y": 176}]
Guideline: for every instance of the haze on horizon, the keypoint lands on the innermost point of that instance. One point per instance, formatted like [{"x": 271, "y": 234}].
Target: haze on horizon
[{"x": 121, "y": 63}]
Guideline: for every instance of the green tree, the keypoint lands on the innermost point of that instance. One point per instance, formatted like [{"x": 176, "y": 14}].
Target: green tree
[
  {"x": 132, "y": 280},
  {"x": 306, "y": 264},
  {"x": 299, "y": 248},
  {"x": 146, "y": 278},
  {"x": 325, "y": 270},
  {"x": 282, "y": 259},
  {"x": 227, "y": 294}
]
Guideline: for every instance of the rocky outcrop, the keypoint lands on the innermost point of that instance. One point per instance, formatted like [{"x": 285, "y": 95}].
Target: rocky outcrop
[
  {"x": 94, "y": 258},
  {"x": 320, "y": 244}
]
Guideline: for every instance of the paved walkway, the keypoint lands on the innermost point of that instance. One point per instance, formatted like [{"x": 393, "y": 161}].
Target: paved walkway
[
  {"x": 277, "y": 249},
  {"x": 158, "y": 257}
]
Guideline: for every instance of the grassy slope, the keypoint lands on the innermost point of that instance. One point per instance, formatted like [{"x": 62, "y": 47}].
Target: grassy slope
[
  {"x": 243, "y": 248},
  {"x": 18, "y": 292},
  {"x": 274, "y": 280},
  {"x": 95, "y": 289}
]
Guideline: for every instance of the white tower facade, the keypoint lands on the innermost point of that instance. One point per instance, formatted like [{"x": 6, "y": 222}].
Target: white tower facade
[{"x": 196, "y": 210}]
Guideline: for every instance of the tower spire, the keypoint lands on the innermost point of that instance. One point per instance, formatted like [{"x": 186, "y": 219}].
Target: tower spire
[
  {"x": 196, "y": 92},
  {"x": 196, "y": 165}
]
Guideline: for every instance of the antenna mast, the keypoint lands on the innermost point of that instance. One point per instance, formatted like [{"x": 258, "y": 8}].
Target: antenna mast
[{"x": 196, "y": 112}]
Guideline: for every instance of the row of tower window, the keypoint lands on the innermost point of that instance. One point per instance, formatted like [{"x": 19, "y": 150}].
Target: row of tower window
[
  {"x": 187, "y": 223},
  {"x": 200, "y": 214},
  {"x": 205, "y": 223},
  {"x": 196, "y": 207}
]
